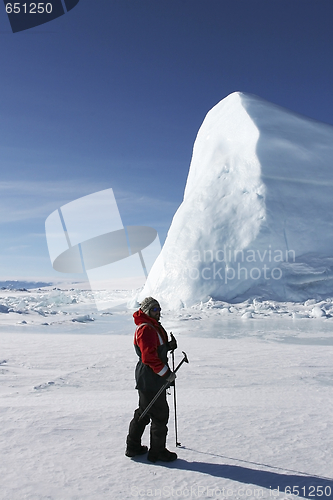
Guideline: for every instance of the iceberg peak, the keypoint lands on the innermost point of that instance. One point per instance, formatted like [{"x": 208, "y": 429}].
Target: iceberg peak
[{"x": 256, "y": 219}]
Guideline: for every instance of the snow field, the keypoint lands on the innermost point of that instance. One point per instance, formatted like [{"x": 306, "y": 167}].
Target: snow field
[
  {"x": 253, "y": 415},
  {"x": 61, "y": 307}
]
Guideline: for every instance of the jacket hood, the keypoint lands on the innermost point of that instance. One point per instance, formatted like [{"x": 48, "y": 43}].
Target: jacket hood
[{"x": 141, "y": 317}]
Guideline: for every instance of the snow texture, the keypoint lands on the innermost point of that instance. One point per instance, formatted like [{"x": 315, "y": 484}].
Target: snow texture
[
  {"x": 256, "y": 219},
  {"x": 50, "y": 306},
  {"x": 255, "y": 412}
]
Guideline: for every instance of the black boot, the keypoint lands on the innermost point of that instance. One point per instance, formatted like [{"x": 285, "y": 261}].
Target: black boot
[
  {"x": 133, "y": 451},
  {"x": 133, "y": 441},
  {"x": 164, "y": 456}
]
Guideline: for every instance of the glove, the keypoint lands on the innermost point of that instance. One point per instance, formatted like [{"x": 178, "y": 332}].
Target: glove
[
  {"x": 172, "y": 345},
  {"x": 171, "y": 378}
]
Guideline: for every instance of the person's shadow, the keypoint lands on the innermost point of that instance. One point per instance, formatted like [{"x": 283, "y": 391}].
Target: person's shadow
[{"x": 307, "y": 486}]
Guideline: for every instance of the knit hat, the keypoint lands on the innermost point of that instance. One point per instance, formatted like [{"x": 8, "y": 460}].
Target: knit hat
[{"x": 148, "y": 303}]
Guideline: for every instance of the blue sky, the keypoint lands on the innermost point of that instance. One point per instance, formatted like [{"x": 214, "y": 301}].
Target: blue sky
[{"x": 112, "y": 94}]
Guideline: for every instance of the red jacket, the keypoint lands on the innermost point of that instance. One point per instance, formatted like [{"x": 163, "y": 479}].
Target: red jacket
[{"x": 150, "y": 341}]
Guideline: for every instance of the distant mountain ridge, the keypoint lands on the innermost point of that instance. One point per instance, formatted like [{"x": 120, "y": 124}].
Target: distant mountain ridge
[{"x": 16, "y": 284}]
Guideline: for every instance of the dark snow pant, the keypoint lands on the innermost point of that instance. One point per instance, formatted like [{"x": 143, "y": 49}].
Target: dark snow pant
[{"x": 159, "y": 416}]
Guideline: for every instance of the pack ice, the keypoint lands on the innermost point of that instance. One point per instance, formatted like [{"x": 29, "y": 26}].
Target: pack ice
[{"x": 256, "y": 219}]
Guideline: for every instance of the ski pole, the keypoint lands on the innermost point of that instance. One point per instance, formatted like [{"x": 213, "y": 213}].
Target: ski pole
[
  {"x": 146, "y": 410},
  {"x": 175, "y": 399}
]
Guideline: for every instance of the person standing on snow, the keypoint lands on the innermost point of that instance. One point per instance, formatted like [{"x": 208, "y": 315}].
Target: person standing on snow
[{"x": 152, "y": 372}]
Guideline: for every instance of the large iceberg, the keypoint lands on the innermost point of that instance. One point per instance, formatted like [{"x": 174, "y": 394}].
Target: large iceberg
[{"x": 257, "y": 214}]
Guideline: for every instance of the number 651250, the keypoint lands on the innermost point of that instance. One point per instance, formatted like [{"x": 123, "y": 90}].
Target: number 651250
[{"x": 28, "y": 8}]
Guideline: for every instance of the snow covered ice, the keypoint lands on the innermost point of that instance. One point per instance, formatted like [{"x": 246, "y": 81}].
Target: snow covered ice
[
  {"x": 254, "y": 403},
  {"x": 256, "y": 219}
]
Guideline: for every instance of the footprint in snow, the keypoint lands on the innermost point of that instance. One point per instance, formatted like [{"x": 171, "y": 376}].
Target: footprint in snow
[{"x": 43, "y": 386}]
